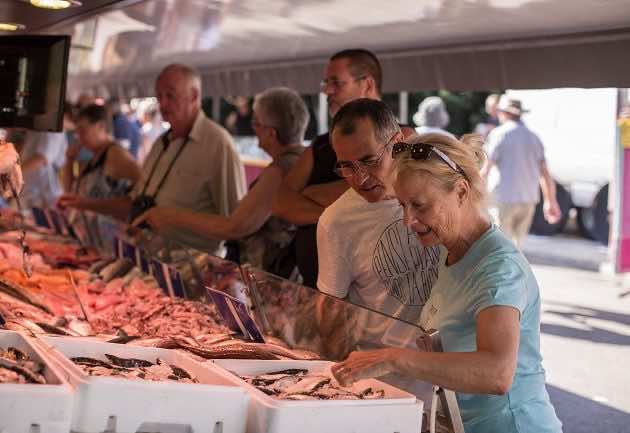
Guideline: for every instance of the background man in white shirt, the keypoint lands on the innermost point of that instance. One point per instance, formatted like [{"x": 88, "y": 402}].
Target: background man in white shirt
[{"x": 519, "y": 155}]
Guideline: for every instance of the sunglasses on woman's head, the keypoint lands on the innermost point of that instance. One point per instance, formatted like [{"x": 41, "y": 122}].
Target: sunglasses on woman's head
[{"x": 422, "y": 152}]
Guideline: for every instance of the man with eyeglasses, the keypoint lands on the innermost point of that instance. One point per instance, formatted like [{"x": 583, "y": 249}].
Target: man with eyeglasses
[
  {"x": 312, "y": 184},
  {"x": 366, "y": 253}
]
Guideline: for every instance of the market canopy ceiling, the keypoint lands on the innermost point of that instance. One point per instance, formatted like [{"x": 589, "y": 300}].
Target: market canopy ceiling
[{"x": 244, "y": 46}]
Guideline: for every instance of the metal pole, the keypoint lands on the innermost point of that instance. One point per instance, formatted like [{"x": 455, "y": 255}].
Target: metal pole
[
  {"x": 403, "y": 107},
  {"x": 216, "y": 109},
  {"x": 322, "y": 114},
  {"x": 617, "y": 187}
]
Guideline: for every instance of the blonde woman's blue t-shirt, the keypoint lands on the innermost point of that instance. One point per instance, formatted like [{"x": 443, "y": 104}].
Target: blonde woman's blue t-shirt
[{"x": 494, "y": 273}]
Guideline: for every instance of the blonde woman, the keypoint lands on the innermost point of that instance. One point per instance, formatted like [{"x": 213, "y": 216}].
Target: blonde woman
[{"x": 485, "y": 303}]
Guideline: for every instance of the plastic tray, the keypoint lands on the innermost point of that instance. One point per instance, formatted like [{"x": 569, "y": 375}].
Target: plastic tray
[
  {"x": 398, "y": 412},
  {"x": 27, "y": 408},
  {"x": 109, "y": 404}
]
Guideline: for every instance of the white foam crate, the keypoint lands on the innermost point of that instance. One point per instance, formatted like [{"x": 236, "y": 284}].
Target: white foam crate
[
  {"x": 398, "y": 412},
  {"x": 118, "y": 405},
  {"x": 28, "y": 408}
]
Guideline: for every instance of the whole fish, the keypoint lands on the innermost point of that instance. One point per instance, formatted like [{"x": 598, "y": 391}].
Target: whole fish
[
  {"x": 51, "y": 329},
  {"x": 287, "y": 353},
  {"x": 123, "y": 339},
  {"x": 307, "y": 385},
  {"x": 28, "y": 374},
  {"x": 300, "y": 397},
  {"x": 297, "y": 384},
  {"x": 128, "y": 362},
  {"x": 91, "y": 362},
  {"x": 97, "y": 266},
  {"x": 117, "y": 269},
  {"x": 23, "y": 325},
  {"x": 130, "y": 368},
  {"x": 233, "y": 351}
]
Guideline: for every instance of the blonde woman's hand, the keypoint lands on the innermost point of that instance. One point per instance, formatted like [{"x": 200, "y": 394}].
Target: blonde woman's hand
[{"x": 365, "y": 365}]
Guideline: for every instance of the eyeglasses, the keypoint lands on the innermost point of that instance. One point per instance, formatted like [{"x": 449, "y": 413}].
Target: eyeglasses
[
  {"x": 423, "y": 151},
  {"x": 347, "y": 169},
  {"x": 337, "y": 84}
]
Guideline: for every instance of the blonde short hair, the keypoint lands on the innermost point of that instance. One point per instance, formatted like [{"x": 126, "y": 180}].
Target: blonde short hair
[{"x": 466, "y": 152}]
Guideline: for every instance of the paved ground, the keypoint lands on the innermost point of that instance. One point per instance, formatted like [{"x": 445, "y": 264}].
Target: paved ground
[{"x": 585, "y": 334}]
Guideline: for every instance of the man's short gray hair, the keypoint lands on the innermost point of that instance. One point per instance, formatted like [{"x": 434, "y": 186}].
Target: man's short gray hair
[
  {"x": 284, "y": 110},
  {"x": 382, "y": 117},
  {"x": 188, "y": 72}
]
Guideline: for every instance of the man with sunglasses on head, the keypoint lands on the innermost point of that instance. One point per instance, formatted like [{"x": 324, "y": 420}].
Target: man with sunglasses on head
[{"x": 366, "y": 253}]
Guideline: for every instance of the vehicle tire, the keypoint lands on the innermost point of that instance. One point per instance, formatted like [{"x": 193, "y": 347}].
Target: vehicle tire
[
  {"x": 540, "y": 226},
  {"x": 594, "y": 221}
]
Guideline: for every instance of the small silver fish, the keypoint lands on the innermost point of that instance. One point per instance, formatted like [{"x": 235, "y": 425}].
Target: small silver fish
[
  {"x": 299, "y": 397},
  {"x": 307, "y": 385}
]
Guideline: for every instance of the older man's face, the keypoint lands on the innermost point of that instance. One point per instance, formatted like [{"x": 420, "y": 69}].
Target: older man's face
[
  {"x": 177, "y": 97},
  {"x": 371, "y": 160}
]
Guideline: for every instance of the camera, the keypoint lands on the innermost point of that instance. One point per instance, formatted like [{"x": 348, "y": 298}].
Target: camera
[{"x": 140, "y": 205}]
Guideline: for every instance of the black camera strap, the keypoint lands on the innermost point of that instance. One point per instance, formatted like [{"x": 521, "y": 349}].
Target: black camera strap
[{"x": 165, "y": 145}]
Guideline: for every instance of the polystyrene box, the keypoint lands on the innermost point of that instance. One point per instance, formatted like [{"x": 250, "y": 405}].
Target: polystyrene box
[
  {"x": 29, "y": 408},
  {"x": 398, "y": 412},
  {"x": 215, "y": 405}
]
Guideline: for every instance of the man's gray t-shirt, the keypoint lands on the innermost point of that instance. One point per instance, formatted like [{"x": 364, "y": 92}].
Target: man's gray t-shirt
[{"x": 517, "y": 152}]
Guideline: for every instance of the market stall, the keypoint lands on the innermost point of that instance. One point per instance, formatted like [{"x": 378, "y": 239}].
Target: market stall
[{"x": 141, "y": 334}]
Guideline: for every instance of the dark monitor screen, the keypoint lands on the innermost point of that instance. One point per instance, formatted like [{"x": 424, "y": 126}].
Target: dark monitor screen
[{"x": 33, "y": 72}]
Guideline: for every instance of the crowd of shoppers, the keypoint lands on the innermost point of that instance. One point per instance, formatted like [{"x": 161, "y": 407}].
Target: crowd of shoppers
[{"x": 391, "y": 218}]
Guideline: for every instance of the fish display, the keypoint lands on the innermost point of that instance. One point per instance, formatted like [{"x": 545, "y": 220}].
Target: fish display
[
  {"x": 139, "y": 308},
  {"x": 16, "y": 367},
  {"x": 130, "y": 302},
  {"x": 299, "y": 385},
  {"x": 135, "y": 369},
  {"x": 119, "y": 304},
  {"x": 49, "y": 250}
]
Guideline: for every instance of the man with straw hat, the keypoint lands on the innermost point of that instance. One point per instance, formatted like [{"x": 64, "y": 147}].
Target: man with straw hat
[{"x": 519, "y": 155}]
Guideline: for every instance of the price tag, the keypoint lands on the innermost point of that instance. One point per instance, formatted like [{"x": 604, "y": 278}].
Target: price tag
[
  {"x": 41, "y": 220},
  {"x": 79, "y": 227},
  {"x": 169, "y": 279},
  {"x": 53, "y": 220},
  {"x": 60, "y": 223},
  {"x": 125, "y": 250},
  {"x": 236, "y": 315}
]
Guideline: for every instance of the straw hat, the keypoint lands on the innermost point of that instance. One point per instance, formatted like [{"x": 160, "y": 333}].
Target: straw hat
[{"x": 510, "y": 105}]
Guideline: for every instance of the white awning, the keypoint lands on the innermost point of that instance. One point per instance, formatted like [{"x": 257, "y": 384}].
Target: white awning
[{"x": 245, "y": 46}]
